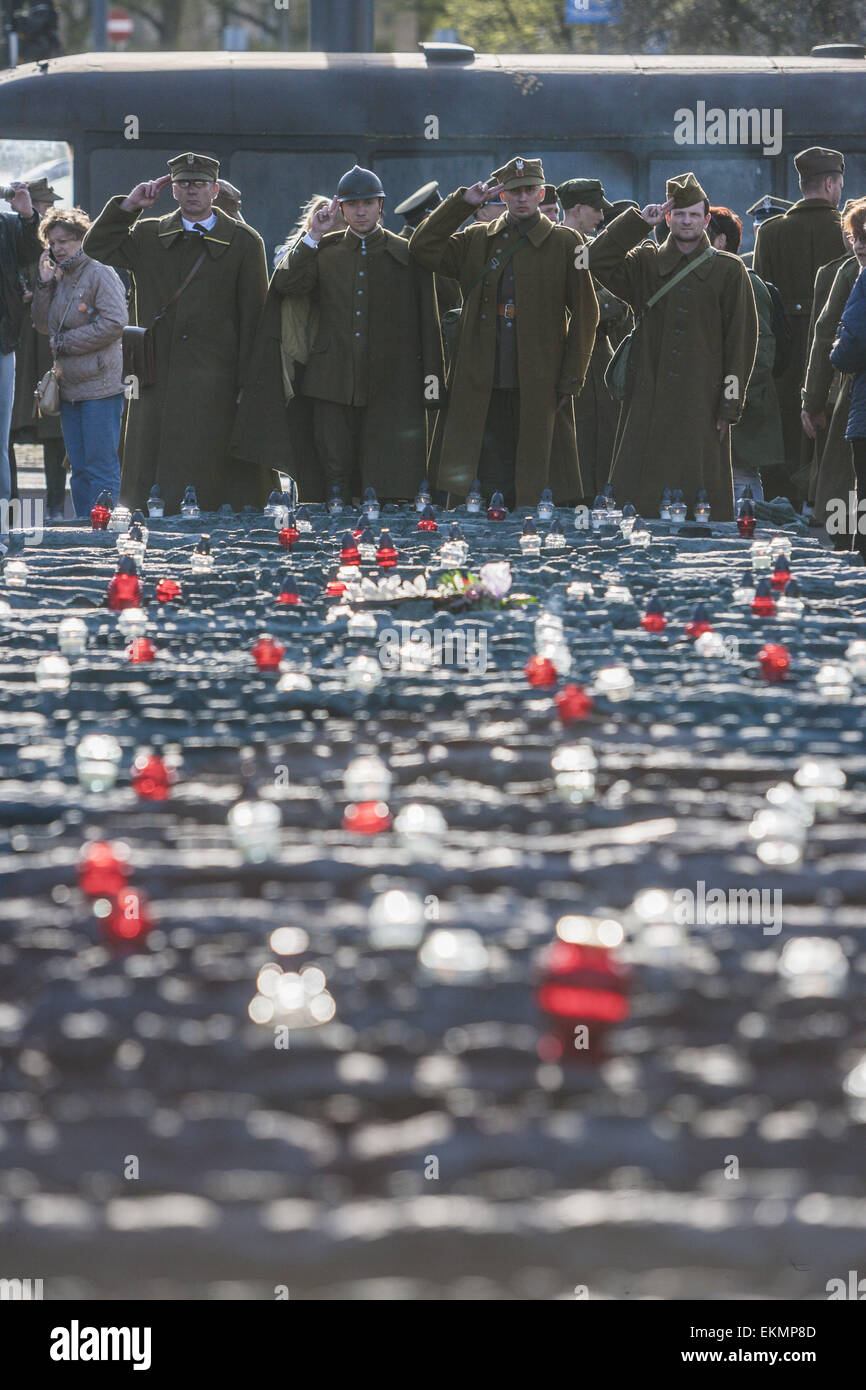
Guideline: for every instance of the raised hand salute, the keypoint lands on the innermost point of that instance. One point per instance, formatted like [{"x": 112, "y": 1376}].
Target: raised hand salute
[
  {"x": 654, "y": 213},
  {"x": 145, "y": 195},
  {"x": 481, "y": 193}
]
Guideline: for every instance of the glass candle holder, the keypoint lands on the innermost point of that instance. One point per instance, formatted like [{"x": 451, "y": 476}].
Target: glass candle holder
[
  {"x": 15, "y": 573},
  {"x": 72, "y": 636},
  {"x": 120, "y": 518},
  {"x": 835, "y": 682},
  {"x": 555, "y": 538},
  {"x": 52, "y": 673},
  {"x": 97, "y": 759},
  {"x": 254, "y": 827},
  {"x": 367, "y": 778},
  {"x": 615, "y": 682},
  {"x": 189, "y": 508},
  {"x": 474, "y": 500},
  {"x": 363, "y": 673},
  {"x": 545, "y": 509},
  {"x": 530, "y": 541},
  {"x": 155, "y": 503},
  {"x": 855, "y": 655},
  {"x": 361, "y": 624},
  {"x": 132, "y": 622}
]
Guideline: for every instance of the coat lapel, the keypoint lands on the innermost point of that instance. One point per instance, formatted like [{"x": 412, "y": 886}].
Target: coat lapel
[{"x": 217, "y": 241}]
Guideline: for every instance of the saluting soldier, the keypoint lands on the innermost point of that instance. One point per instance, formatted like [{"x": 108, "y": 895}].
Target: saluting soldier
[
  {"x": 378, "y": 347},
  {"x": 692, "y": 355},
  {"x": 789, "y": 251},
  {"x": 413, "y": 210},
  {"x": 523, "y": 345},
  {"x": 596, "y": 413},
  {"x": 178, "y": 430}
]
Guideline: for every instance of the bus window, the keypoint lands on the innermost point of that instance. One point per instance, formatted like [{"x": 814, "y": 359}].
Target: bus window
[
  {"x": 29, "y": 160},
  {"x": 616, "y": 171},
  {"x": 401, "y": 174},
  {"x": 274, "y": 185}
]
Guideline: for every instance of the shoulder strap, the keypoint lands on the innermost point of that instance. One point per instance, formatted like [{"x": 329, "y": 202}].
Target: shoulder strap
[
  {"x": 495, "y": 263},
  {"x": 680, "y": 275},
  {"x": 180, "y": 289}
]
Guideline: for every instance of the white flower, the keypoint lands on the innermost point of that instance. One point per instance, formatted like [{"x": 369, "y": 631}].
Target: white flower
[{"x": 496, "y": 578}]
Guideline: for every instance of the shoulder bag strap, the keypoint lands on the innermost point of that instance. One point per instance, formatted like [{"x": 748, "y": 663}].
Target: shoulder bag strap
[
  {"x": 496, "y": 263},
  {"x": 680, "y": 275},
  {"x": 180, "y": 289}
]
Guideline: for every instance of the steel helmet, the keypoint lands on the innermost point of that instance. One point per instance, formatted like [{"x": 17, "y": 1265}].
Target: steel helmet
[{"x": 359, "y": 183}]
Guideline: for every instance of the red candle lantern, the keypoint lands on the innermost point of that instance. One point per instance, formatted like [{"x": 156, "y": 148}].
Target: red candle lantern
[
  {"x": 654, "y": 619},
  {"x": 775, "y": 662},
  {"x": 101, "y": 870},
  {"x": 700, "y": 622},
  {"x": 366, "y": 817},
  {"x": 267, "y": 653},
  {"x": 386, "y": 555},
  {"x": 99, "y": 517},
  {"x": 150, "y": 777},
  {"x": 167, "y": 591},
  {"x": 129, "y": 919},
  {"x": 140, "y": 649},
  {"x": 573, "y": 703},
  {"x": 288, "y": 594},
  {"x": 540, "y": 670},
  {"x": 763, "y": 605}
]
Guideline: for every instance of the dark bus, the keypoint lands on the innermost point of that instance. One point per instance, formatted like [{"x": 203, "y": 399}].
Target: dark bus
[{"x": 286, "y": 125}]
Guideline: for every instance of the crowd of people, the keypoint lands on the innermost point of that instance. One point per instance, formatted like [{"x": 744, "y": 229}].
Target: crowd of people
[{"x": 526, "y": 335}]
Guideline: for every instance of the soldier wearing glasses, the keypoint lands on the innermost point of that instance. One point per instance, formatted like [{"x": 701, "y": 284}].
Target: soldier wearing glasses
[{"x": 178, "y": 430}]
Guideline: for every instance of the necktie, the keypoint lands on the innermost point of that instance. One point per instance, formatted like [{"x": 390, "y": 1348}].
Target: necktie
[{"x": 197, "y": 227}]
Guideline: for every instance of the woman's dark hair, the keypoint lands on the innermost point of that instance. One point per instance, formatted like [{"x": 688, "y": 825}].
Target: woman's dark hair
[
  {"x": 854, "y": 218},
  {"x": 725, "y": 223},
  {"x": 74, "y": 220}
]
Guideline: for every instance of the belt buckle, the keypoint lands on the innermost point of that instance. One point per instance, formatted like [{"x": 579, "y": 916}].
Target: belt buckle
[{"x": 509, "y": 311}]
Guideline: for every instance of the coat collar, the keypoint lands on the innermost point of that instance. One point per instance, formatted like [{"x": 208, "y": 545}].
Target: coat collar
[
  {"x": 217, "y": 241},
  {"x": 671, "y": 258},
  {"x": 538, "y": 233},
  {"x": 810, "y": 205}
]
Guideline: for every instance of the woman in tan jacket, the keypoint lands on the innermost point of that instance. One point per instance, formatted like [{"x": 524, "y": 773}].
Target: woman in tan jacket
[{"x": 81, "y": 305}]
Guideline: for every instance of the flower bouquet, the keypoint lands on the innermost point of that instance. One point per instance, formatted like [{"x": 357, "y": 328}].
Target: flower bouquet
[{"x": 458, "y": 591}]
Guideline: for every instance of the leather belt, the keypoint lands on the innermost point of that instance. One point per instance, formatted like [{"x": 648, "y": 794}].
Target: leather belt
[{"x": 507, "y": 311}]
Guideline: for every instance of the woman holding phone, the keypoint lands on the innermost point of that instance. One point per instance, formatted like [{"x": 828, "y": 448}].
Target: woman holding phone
[{"x": 81, "y": 305}]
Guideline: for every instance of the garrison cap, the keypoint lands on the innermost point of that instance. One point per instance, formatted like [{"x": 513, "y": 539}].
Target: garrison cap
[
  {"x": 193, "y": 166},
  {"x": 419, "y": 203},
  {"x": 816, "y": 161},
  {"x": 550, "y": 194},
  {"x": 588, "y": 192},
  {"x": 519, "y": 173},
  {"x": 768, "y": 206},
  {"x": 685, "y": 191},
  {"x": 359, "y": 183},
  {"x": 41, "y": 191},
  {"x": 620, "y": 206}
]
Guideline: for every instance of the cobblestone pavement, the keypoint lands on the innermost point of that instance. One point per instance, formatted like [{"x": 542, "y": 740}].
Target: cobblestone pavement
[{"x": 710, "y": 1146}]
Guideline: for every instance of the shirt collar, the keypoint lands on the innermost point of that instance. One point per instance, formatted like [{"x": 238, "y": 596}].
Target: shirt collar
[
  {"x": 670, "y": 256},
  {"x": 208, "y": 223}
]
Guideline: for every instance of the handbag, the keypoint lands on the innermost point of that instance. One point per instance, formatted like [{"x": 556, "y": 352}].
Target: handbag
[
  {"x": 616, "y": 377},
  {"x": 46, "y": 397},
  {"x": 137, "y": 342}
]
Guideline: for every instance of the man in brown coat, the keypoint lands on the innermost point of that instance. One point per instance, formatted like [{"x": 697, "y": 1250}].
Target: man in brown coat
[
  {"x": 596, "y": 413},
  {"x": 523, "y": 346},
  {"x": 375, "y": 365},
  {"x": 789, "y": 251},
  {"x": 692, "y": 355},
  {"x": 178, "y": 430}
]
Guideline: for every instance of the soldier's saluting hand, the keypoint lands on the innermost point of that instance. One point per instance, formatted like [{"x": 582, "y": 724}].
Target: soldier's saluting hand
[
  {"x": 654, "y": 213},
  {"x": 144, "y": 195},
  {"x": 325, "y": 219},
  {"x": 482, "y": 192}
]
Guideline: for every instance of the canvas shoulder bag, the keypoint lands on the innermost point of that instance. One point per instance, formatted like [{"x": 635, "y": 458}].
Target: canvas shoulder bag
[
  {"x": 138, "y": 358},
  {"x": 616, "y": 371}
]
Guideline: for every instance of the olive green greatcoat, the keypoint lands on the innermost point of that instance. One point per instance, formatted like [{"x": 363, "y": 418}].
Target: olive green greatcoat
[
  {"x": 836, "y": 469},
  {"x": 756, "y": 442},
  {"x": 178, "y": 430},
  {"x": 377, "y": 345},
  {"x": 557, "y": 313},
  {"x": 789, "y": 251},
  {"x": 690, "y": 364},
  {"x": 596, "y": 413},
  {"x": 823, "y": 285}
]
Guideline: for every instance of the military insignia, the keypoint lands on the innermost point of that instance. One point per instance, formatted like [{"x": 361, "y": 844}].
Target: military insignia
[
  {"x": 190, "y": 159},
  {"x": 518, "y": 163}
]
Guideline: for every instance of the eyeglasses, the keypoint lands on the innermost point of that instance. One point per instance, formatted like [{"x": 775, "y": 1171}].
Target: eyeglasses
[
  {"x": 61, "y": 241},
  {"x": 193, "y": 183}
]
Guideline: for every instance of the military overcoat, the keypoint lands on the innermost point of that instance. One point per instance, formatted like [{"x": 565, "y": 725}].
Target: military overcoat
[
  {"x": 178, "y": 430},
  {"x": 690, "y": 364},
  {"x": 789, "y": 251},
  {"x": 556, "y": 317},
  {"x": 596, "y": 413},
  {"x": 378, "y": 345},
  {"x": 756, "y": 442},
  {"x": 836, "y": 468}
]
